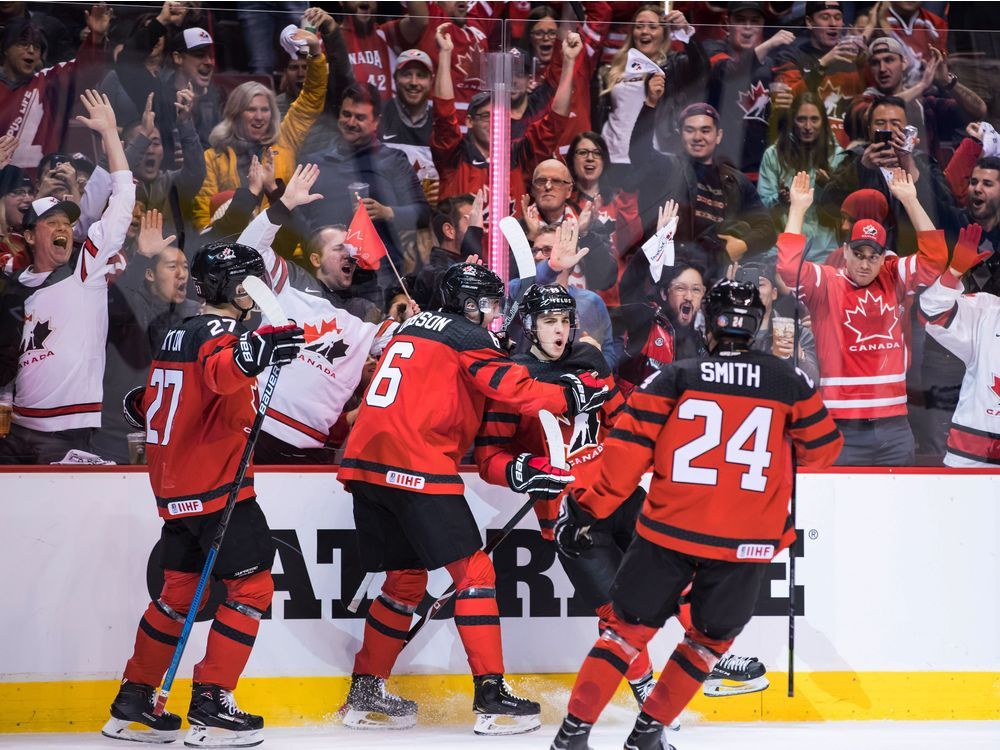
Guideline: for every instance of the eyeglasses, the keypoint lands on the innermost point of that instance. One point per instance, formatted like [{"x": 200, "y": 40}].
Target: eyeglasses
[
  {"x": 696, "y": 290},
  {"x": 22, "y": 192},
  {"x": 583, "y": 153},
  {"x": 544, "y": 34},
  {"x": 544, "y": 250},
  {"x": 543, "y": 182},
  {"x": 482, "y": 116}
]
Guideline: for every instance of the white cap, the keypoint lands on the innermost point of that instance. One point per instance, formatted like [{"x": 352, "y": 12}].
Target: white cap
[
  {"x": 40, "y": 207},
  {"x": 196, "y": 38}
]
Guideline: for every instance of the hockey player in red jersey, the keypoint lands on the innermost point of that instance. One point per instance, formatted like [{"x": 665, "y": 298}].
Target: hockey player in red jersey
[
  {"x": 197, "y": 407},
  {"x": 418, "y": 418},
  {"x": 715, "y": 433}
]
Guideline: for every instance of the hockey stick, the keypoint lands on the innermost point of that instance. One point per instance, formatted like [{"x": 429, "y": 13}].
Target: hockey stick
[
  {"x": 557, "y": 457},
  {"x": 262, "y": 295},
  {"x": 361, "y": 593},
  {"x": 523, "y": 257}
]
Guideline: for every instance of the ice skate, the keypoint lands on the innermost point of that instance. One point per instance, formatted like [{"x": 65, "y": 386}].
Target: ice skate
[
  {"x": 641, "y": 689},
  {"x": 498, "y": 711},
  {"x": 736, "y": 675},
  {"x": 370, "y": 706},
  {"x": 216, "y": 720},
  {"x": 647, "y": 734},
  {"x": 132, "y": 716},
  {"x": 572, "y": 735}
]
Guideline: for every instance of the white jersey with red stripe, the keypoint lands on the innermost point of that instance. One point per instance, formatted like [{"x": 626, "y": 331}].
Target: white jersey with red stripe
[
  {"x": 314, "y": 388},
  {"x": 60, "y": 373},
  {"x": 968, "y": 325},
  {"x": 860, "y": 331}
]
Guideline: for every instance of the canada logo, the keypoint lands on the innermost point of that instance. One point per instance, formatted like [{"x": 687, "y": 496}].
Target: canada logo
[
  {"x": 996, "y": 386},
  {"x": 754, "y": 102},
  {"x": 869, "y": 230},
  {"x": 872, "y": 319}
]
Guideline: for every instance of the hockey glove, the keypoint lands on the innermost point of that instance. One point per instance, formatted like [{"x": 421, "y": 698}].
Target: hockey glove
[
  {"x": 132, "y": 408},
  {"x": 535, "y": 475},
  {"x": 257, "y": 350},
  {"x": 966, "y": 254},
  {"x": 585, "y": 392},
  {"x": 573, "y": 528}
]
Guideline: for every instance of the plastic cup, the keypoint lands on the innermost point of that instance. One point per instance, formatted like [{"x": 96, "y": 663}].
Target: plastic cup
[
  {"x": 783, "y": 328},
  {"x": 136, "y": 447}
]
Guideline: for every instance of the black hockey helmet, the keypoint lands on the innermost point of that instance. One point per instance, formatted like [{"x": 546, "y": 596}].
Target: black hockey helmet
[
  {"x": 469, "y": 287},
  {"x": 220, "y": 267},
  {"x": 733, "y": 310}
]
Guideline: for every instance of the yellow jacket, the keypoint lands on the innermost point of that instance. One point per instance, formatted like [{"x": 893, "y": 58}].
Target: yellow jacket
[{"x": 220, "y": 167}]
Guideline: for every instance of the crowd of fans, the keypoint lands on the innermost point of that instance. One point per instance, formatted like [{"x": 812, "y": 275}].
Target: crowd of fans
[{"x": 651, "y": 154}]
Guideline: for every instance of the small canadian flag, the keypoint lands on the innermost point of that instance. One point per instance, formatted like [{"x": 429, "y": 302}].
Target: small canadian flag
[{"x": 363, "y": 242}]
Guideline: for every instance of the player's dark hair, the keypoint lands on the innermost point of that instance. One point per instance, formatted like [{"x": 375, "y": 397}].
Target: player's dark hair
[
  {"x": 883, "y": 101},
  {"x": 989, "y": 162}
]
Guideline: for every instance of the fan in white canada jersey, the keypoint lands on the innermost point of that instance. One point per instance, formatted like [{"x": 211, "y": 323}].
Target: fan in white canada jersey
[
  {"x": 968, "y": 325},
  {"x": 314, "y": 388},
  {"x": 62, "y": 311}
]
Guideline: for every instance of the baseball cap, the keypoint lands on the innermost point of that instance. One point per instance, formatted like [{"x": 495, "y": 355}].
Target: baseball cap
[
  {"x": 698, "y": 108},
  {"x": 870, "y": 233},
  {"x": 734, "y": 8},
  {"x": 414, "y": 56},
  {"x": 865, "y": 204},
  {"x": 817, "y": 7},
  {"x": 195, "y": 38},
  {"x": 886, "y": 44},
  {"x": 42, "y": 207},
  {"x": 13, "y": 178},
  {"x": 479, "y": 101}
]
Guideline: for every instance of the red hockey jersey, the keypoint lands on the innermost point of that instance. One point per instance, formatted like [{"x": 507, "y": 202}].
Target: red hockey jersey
[
  {"x": 371, "y": 59},
  {"x": 199, "y": 407},
  {"x": 715, "y": 433},
  {"x": 426, "y": 401},
  {"x": 505, "y": 433},
  {"x": 861, "y": 344}
]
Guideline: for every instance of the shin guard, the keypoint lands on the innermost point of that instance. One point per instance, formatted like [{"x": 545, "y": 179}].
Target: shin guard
[
  {"x": 388, "y": 621},
  {"x": 160, "y": 627},
  {"x": 477, "y": 616},
  {"x": 686, "y": 670}
]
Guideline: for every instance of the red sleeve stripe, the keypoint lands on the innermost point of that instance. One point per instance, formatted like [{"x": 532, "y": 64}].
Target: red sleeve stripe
[
  {"x": 57, "y": 411},
  {"x": 288, "y": 421},
  {"x": 91, "y": 248}
]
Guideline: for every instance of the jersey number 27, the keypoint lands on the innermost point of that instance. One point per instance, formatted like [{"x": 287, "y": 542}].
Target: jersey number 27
[{"x": 167, "y": 383}]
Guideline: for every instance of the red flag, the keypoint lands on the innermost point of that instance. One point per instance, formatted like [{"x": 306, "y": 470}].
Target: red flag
[{"x": 363, "y": 242}]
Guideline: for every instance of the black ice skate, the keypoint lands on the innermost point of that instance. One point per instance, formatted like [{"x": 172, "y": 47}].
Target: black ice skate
[
  {"x": 572, "y": 735},
  {"x": 641, "y": 689},
  {"x": 736, "y": 675},
  {"x": 501, "y": 712},
  {"x": 370, "y": 706},
  {"x": 216, "y": 721},
  {"x": 132, "y": 716},
  {"x": 647, "y": 734}
]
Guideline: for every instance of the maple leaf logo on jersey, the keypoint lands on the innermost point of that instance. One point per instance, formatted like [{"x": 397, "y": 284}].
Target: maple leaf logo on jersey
[
  {"x": 831, "y": 96},
  {"x": 754, "y": 102},
  {"x": 312, "y": 332},
  {"x": 996, "y": 385},
  {"x": 872, "y": 318},
  {"x": 34, "y": 334}
]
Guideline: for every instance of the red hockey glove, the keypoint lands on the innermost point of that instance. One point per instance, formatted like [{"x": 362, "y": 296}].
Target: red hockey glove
[
  {"x": 573, "y": 528},
  {"x": 268, "y": 345},
  {"x": 966, "y": 254},
  {"x": 585, "y": 392},
  {"x": 535, "y": 475}
]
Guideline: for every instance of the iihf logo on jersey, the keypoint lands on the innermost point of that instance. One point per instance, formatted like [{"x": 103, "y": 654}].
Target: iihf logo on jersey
[
  {"x": 873, "y": 321},
  {"x": 33, "y": 337}
]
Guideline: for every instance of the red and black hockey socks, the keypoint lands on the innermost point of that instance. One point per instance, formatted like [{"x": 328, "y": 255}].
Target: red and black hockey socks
[
  {"x": 388, "y": 622},
  {"x": 686, "y": 670},
  {"x": 641, "y": 666},
  {"x": 234, "y": 630},
  {"x": 476, "y": 613},
  {"x": 605, "y": 665},
  {"x": 160, "y": 628}
]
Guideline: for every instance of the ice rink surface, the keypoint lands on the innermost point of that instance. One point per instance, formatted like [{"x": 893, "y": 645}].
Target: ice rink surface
[{"x": 869, "y": 735}]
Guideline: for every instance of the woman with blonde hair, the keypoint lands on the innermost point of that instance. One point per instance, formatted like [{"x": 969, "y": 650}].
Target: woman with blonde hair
[
  {"x": 252, "y": 126},
  {"x": 624, "y": 94}
]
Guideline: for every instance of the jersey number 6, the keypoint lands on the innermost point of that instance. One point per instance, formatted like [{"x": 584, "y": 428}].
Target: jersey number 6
[
  {"x": 385, "y": 385},
  {"x": 756, "y": 427}
]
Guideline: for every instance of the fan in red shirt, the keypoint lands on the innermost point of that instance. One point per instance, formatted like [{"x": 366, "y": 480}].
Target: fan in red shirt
[
  {"x": 401, "y": 465},
  {"x": 716, "y": 434},
  {"x": 197, "y": 407}
]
